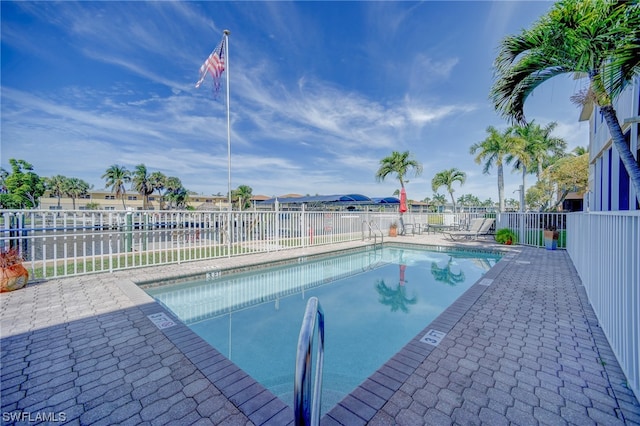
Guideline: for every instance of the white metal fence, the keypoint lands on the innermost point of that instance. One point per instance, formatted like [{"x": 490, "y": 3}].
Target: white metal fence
[
  {"x": 63, "y": 243},
  {"x": 605, "y": 249},
  {"x": 529, "y": 227}
]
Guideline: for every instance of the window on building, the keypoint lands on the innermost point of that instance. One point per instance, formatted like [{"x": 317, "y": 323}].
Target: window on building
[
  {"x": 152, "y": 198},
  {"x": 109, "y": 197},
  {"x": 132, "y": 197}
]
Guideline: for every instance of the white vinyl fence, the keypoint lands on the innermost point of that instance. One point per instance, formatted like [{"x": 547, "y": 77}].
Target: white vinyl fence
[
  {"x": 529, "y": 227},
  {"x": 73, "y": 242},
  {"x": 605, "y": 249}
]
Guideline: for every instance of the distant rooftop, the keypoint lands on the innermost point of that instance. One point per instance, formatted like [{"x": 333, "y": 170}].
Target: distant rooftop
[{"x": 345, "y": 198}]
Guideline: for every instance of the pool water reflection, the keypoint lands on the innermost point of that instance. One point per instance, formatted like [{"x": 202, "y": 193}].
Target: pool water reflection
[{"x": 374, "y": 303}]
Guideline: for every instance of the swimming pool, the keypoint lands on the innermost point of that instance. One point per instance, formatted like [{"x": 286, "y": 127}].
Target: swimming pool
[{"x": 374, "y": 301}]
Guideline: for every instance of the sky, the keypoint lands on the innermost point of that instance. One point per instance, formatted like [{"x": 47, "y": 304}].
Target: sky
[{"x": 319, "y": 92}]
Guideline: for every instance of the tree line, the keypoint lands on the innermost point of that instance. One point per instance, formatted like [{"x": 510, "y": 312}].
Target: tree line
[{"x": 21, "y": 187}]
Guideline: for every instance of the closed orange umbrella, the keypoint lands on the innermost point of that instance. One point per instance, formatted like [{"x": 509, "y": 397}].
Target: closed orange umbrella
[{"x": 403, "y": 201}]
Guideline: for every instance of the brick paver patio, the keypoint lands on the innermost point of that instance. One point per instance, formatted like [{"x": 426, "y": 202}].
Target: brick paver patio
[{"x": 521, "y": 346}]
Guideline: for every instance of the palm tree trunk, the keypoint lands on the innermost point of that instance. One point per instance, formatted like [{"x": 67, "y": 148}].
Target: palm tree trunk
[
  {"x": 402, "y": 230},
  {"x": 500, "y": 188},
  {"x": 453, "y": 201},
  {"x": 630, "y": 163}
]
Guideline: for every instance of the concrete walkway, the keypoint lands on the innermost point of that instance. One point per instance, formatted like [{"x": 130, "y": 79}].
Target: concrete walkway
[{"x": 521, "y": 346}]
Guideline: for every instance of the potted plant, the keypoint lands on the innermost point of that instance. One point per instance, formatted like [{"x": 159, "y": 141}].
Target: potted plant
[
  {"x": 393, "y": 229},
  {"x": 506, "y": 236},
  {"x": 551, "y": 236},
  {"x": 13, "y": 275}
]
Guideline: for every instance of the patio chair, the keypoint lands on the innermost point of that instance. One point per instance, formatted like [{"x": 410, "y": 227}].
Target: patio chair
[
  {"x": 474, "y": 228},
  {"x": 485, "y": 229}
]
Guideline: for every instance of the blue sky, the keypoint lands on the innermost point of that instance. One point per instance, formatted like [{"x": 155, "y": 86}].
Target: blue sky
[{"x": 320, "y": 91}]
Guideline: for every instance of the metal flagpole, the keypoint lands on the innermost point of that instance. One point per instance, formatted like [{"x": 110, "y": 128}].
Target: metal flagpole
[{"x": 226, "y": 59}]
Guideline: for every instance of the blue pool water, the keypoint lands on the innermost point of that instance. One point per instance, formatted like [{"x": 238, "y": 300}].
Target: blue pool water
[{"x": 374, "y": 303}]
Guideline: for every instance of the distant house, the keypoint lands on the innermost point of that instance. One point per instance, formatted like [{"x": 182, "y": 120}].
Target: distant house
[
  {"x": 104, "y": 199},
  {"x": 609, "y": 185}
]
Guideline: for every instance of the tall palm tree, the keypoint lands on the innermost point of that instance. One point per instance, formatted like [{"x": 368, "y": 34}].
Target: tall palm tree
[
  {"x": 142, "y": 183},
  {"x": 116, "y": 177},
  {"x": 157, "y": 181},
  {"x": 56, "y": 185},
  {"x": 76, "y": 188},
  {"x": 493, "y": 151},
  {"x": 593, "y": 39},
  {"x": 542, "y": 146},
  {"x": 521, "y": 151},
  {"x": 243, "y": 196},
  {"x": 447, "y": 178},
  {"x": 399, "y": 163}
]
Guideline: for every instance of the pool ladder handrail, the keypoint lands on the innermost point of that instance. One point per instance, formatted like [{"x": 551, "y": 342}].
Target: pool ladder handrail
[
  {"x": 371, "y": 230},
  {"x": 306, "y": 414}
]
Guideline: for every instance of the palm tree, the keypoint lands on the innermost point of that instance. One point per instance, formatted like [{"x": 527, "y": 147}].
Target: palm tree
[
  {"x": 521, "y": 154},
  {"x": 56, "y": 185},
  {"x": 447, "y": 178},
  {"x": 439, "y": 200},
  {"x": 543, "y": 147},
  {"x": 172, "y": 190},
  {"x": 142, "y": 183},
  {"x": 594, "y": 39},
  {"x": 157, "y": 181},
  {"x": 580, "y": 150},
  {"x": 76, "y": 188},
  {"x": 243, "y": 196},
  {"x": 116, "y": 177},
  {"x": 493, "y": 150},
  {"x": 399, "y": 163},
  {"x": 513, "y": 203}
]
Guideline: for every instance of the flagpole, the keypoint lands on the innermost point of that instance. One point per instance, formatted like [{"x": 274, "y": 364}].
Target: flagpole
[{"x": 226, "y": 58}]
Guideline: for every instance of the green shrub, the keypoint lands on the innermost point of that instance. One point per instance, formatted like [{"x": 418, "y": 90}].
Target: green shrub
[{"x": 504, "y": 235}]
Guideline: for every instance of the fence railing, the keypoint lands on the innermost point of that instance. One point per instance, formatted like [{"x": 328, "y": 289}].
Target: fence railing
[
  {"x": 605, "y": 249},
  {"x": 61, "y": 243},
  {"x": 529, "y": 227},
  {"x": 74, "y": 242}
]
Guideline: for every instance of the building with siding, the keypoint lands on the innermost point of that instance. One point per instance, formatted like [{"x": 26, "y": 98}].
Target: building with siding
[
  {"x": 104, "y": 199},
  {"x": 610, "y": 188}
]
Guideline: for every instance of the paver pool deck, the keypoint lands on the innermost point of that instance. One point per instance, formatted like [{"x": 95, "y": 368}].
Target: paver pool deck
[{"x": 522, "y": 346}]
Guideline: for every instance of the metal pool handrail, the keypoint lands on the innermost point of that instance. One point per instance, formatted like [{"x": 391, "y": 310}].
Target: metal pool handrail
[
  {"x": 307, "y": 409},
  {"x": 371, "y": 230}
]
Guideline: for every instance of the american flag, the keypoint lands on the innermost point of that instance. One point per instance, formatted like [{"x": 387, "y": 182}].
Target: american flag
[{"x": 214, "y": 65}]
